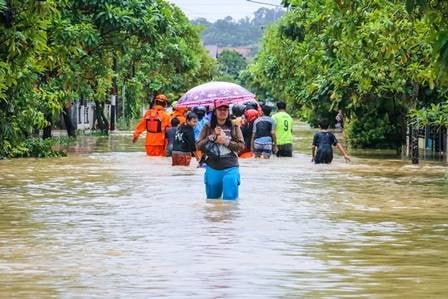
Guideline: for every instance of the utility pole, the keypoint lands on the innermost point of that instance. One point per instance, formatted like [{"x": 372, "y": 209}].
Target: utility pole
[{"x": 113, "y": 97}]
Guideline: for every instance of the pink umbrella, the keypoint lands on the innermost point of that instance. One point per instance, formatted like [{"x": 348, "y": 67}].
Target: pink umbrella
[{"x": 213, "y": 92}]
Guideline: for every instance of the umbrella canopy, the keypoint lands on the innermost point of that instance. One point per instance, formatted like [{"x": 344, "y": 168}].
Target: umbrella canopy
[{"x": 209, "y": 93}]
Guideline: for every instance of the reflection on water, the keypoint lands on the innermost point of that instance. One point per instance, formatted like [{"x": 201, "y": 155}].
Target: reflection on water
[{"x": 108, "y": 221}]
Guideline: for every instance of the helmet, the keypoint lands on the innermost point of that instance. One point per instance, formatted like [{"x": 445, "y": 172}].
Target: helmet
[
  {"x": 251, "y": 115},
  {"x": 238, "y": 110},
  {"x": 161, "y": 98},
  {"x": 251, "y": 105},
  {"x": 200, "y": 111}
]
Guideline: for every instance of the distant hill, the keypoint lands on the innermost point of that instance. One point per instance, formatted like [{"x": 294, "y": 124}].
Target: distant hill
[{"x": 245, "y": 32}]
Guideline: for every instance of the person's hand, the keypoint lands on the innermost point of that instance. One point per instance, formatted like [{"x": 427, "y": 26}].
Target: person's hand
[
  {"x": 275, "y": 149},
  {"x": 218, "y": 131},
  {"x": 347, "y": 158},
  {"x": 221, "y": 140},
  {"x": 312, "y": 160},
  {"x": 134, "y": 139}
]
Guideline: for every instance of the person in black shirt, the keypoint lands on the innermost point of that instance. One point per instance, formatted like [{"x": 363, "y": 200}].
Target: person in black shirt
[
  {"x": 184, "y": 146},
  {"x": 170, "y": 134},
  {"x": 323, "y": 143}
]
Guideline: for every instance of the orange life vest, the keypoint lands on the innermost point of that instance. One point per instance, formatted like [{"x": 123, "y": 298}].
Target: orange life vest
[{"x": 154, "y": 122}]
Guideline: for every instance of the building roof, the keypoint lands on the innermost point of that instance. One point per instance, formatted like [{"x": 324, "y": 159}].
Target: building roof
[{"x": 212, "y": 50}]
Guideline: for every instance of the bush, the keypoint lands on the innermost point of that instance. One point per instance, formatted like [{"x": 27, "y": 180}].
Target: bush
[
  {"x": 373, "y": 131},
  {"x": 37, "y": 148}
]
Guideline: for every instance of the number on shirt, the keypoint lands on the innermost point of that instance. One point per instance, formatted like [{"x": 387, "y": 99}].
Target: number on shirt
[{"x": 286, "y": 125}]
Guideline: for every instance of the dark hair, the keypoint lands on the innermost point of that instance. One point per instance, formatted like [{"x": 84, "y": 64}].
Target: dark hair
[
  {"x": 251, "y": 105},
  {"x": 175, "y": 122},
  {"x": 214, "y": 121},
  {"x": 324, "y": 124},
  {"x": 266, "y": 110},
  {"x": 191, "y": 115},
  {"x": 281, "y": 105},
  {"x": 238, "y": 110},
  {"x": 200, "y": 111}
]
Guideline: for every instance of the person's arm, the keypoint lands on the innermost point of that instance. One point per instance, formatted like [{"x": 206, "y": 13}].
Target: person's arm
[
  {"x": 237, "y": 142},
  {"x": 314, "y": 147},
  {"x": 254, "y": 133},
  {"x": 274, "y": 142},
  {"x": 343, "y": 152},
  {"x": 167, "y": 120},
  {"x": 141, "y": 126},
  {"x": 340, "y": 148},
  {"x": 203, "y": 137},
  {"x": 274, "y": 137}
]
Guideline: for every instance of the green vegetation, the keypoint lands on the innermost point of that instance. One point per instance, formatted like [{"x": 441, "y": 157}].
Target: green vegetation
[
  {"x": 374, "y": 60},
  {"x": 36, "y": 147},
  {"x": 238, "y": 33},
  {"x": 231, "y": 64},
  {"x": 54, "y": 52}
]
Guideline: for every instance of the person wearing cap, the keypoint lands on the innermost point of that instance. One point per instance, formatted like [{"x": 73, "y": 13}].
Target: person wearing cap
[
  {"x": 222, "y": 176},
  {"x": 155, "y": 122},
  {"x": 179, "y": 113}
]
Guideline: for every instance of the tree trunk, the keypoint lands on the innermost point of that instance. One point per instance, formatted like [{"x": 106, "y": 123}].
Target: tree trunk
[
  {"x": 101, "y": 119},
  {"x": 71, "y": 131},
  {"x": 47, "y": 129},
  {"x": 415, "y": 129},
  {"x": 113, "y": 111},
  {"x": 414, "y": 145}
]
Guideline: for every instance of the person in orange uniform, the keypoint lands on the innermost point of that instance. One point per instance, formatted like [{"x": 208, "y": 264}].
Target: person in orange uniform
[
  {"x": 155, "y": 122},
  {"x": 179, "y": 113}
]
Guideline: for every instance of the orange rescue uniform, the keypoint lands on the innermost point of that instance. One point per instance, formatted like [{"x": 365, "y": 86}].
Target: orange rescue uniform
[
  {"x": 179, "y": 113},
  {"x": 155, "y": 143}
]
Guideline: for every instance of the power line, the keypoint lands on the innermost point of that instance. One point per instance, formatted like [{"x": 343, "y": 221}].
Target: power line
[{"x": 264, "y": 3}]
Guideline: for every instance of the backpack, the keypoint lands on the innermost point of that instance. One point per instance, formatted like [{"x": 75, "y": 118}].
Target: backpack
[{"x": 154, "y": 122}]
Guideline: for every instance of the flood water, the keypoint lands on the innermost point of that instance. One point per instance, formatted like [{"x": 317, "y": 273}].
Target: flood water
[{"x": 109, "y": 222}]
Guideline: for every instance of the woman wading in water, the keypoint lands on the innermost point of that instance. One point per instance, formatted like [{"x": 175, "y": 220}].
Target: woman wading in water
[{"x": 221, "y": 142}]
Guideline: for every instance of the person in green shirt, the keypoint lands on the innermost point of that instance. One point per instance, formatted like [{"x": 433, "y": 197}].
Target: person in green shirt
[{"x": 283, "y": 131}]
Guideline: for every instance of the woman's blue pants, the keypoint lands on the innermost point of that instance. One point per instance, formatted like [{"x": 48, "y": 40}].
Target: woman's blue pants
[{"x": 223, "y": 183}]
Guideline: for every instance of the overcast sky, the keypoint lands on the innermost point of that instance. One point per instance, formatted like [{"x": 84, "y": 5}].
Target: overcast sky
[{"x": 219, "y": 9}]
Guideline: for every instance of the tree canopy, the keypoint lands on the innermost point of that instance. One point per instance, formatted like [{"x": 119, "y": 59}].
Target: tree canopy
[
  {"x": 231, "y": 64},
  {"x": 228, "y": 32},
  {"x": 375, "y": 60},
  {"x": 53, "y": 52}
]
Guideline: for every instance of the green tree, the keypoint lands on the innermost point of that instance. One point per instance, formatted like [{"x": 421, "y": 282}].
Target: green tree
[
  {"x": 372, "y": 59},
  {"x": 231, "y": 63},
  {"x": 228, "y": 32},
  {"x": 54, "y": 52}
]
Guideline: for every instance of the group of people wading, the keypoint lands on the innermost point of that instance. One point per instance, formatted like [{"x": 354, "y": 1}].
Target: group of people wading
[{"x": 217, "y": 137}]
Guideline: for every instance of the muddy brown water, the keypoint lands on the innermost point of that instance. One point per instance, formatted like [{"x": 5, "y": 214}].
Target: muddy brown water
[{"x": 108, "y": 222}]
